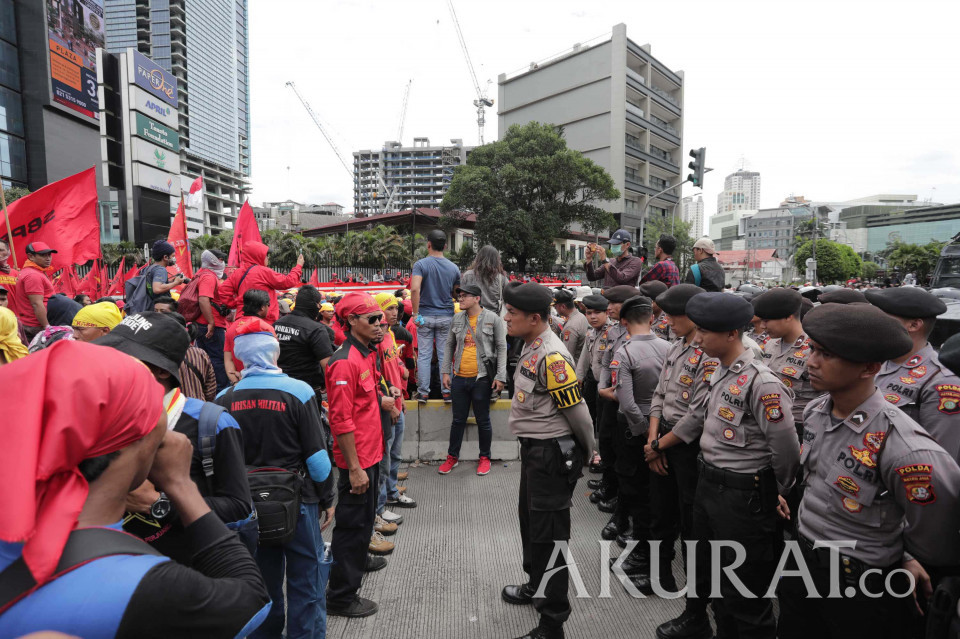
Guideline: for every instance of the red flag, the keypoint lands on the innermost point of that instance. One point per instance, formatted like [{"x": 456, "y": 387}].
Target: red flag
[
  {"x": 315, "y": 279},
  {"x": 66, "y": 282},
  {"x": 181, "y": 244},
  {"x": 131, "y": 273},
  {"x": 245, "y": 231},
  {"x": 62, "y": 214},
  {"x": 115, "y": 287},
  {"x": 92, "y": 284}
]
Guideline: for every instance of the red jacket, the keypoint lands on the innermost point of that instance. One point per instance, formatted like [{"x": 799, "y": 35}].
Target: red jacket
[
  {"x": 258, "y": 277},
  {"x": 352, "y": 380}
]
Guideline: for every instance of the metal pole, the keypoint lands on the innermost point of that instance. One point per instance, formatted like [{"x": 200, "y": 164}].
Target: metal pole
[{"x": 646, "y": 207}]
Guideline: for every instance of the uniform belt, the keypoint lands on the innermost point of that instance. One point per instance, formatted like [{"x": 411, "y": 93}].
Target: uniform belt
[
  {"x": 533, "y": 441},
  {"x": 730, "y": 479},
  {"x": 851, "y": 568}
]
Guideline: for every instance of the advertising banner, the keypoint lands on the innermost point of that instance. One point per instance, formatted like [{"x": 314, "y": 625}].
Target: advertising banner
[
  {"x": 147, "y": 103},
  {"x": 148, "y": 129},
  {"x": 75, "y": 30},
  {"x": 149, "y": 177},
  {"x": 155, "y": 156},
  {"x": 151, "y": 76}
]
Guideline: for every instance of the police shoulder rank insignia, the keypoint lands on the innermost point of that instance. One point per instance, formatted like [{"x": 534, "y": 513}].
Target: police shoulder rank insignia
[
  {"x": 918, "y": 483},
  {"x": 863, "y": 456},
  {"x": 949, "y": 398},
  {"x": 562, "y": 381},
  {"x": 913, "y": 361},
  {"x": 918, "y": 372},
  {"x": 772, "y": 408},
  {"x": 847, "y": 485},
  {"x": 537, "y": 343}
]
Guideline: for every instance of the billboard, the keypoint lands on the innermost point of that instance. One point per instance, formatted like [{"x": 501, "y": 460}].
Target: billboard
[
  {"x": 147, "y": 103},
  {"x": 74, "y": 32},
  {"x": 144, "y": 127},
  {"x": 155, "y": 156},
  {"x": 150, "y": 178},
  {"x": 152, "y": 77}
]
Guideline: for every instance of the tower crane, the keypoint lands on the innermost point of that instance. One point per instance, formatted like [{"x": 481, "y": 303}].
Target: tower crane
[
  {"x": 403, "y": 111},
  {"x": 316, "y": 120},
  {"x": 482, "y": 101}
]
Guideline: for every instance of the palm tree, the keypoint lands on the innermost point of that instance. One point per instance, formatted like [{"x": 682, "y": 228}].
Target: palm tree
[
  {"x": 114, "y": 253},
  {"x": 384, "y": 244}
]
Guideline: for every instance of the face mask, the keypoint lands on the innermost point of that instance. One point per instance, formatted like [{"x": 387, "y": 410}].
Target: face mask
[{"x": 616, "y": 249}]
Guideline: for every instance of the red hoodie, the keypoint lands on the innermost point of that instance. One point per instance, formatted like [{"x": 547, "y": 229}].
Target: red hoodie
[{"x": 258, "y": 277}]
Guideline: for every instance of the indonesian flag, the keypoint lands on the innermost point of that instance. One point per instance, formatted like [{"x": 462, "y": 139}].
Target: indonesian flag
[
  {"x": 195, "y": 196},
  {"x": 245, "y": 231},
  {"x": 181, "y": 244}
]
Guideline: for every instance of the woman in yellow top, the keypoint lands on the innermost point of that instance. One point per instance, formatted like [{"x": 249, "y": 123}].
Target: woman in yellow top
[{"x": 11, "y": 348}]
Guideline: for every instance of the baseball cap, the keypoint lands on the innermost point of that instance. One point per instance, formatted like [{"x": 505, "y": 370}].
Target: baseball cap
[
  {"x": 469, "y": 289},
  {"x": 620, "y": 237},
  {"x": 150, "y": 337},
  {"x": 582, "y": 292},
  {"x": 706, "y": 244},
  {"x": 39, "y": 248}
]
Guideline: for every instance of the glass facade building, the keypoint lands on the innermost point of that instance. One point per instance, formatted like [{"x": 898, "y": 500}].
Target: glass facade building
[{"x": 13, "y": 149}]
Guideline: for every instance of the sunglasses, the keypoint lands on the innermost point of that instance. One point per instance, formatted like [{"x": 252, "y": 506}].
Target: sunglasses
[{"x": 373, "y": 320}]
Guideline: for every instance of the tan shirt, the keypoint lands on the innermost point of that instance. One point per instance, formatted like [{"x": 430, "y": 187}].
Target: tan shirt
[
  {"x": 682, "y": 384},
  {"x": 574, "y": 334},
  {"x": 789, "y": 363}
]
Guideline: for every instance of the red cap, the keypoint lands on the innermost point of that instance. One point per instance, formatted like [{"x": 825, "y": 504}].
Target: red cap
[
  {"x": 253, "y": 324},
  {"x": 408, "y": 307},
  {"x": 39, "y": 248},
  {"x": 357, "y": 304}
]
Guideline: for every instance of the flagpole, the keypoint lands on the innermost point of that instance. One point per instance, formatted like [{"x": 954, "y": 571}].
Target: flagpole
[{"x": 13, "y": 251}]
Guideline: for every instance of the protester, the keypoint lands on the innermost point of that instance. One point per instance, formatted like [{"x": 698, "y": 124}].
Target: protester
[
  {"x": 327, "y": 313},
  {"x": 90, "y": 425},
  {"x": 487, "y": 272},
  {"x": 623, "y": 269},
  {"x": 61, "y": 310},
  {"x": 4, "y": 299},
  {"x": 256, "y": 305},
  {"x": 476, "y": 358},
  {"x": 165, "y": 304},
  {"x": 33, "y": 289},
  {"x": 305, "y": 345},
  {"x": 95, "y": 320},
  {"x": 49, "y": 336},
  {"x": 431, "y": 290},
  {"x": 255, "y": 274},
  {"x": 198, "y": 381},
  {"x": 357, "y": 449},
  {"x": 707, "y": 272},
  {"x": 213, "y": 314},
  {"x": 82, "y": 299},
  {"x": 156, "y": 280},
  {"x": 11, "y": 348},
  {"x": 280, "y": 422},
  {"x": 664, "y": 270},
  {"x": 8, "y": 274}
]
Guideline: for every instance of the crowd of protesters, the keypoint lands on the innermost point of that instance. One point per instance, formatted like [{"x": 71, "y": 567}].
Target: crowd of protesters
[{"x": 226, "y": 433}]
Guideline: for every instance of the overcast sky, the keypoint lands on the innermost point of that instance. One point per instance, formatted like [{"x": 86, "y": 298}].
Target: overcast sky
[{"x": 832, "y": 100}]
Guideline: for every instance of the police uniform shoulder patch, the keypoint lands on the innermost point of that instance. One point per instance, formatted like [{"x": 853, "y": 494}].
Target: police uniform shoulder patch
[
  {"x": 918, "y": 483},
  {"x": 566, "y": 335},
  {"x": 914, "y": 361},
  {"x": 949, "y": 395},
  {"x": 771, "y": 407},
  {"x": 918, "y": 372},
  {"x": 873, "y": 441},
  {"x": 741, "y": 380},
  {"x": 562, "y": 381}
]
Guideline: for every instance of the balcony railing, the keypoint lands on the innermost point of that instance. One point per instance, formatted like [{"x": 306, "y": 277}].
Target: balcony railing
[
  {"x": 664, "y": 124},
  {"x": 634, "y": 143},
  {"x": 666, "y": 96},
  {"x": 634, "y": 176},
  {"x": 660, "y": 153}
]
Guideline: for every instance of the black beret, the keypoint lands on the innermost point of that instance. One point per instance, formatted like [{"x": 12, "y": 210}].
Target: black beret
[
  {"x": 469, "y": 289},
  {"x": 596, "y": 302},
  {"x": 810, "y": 292},
  {"x": 620, "y": 294},
  {"x": 637, "y": 301},
  {"x": 719, "y": 311},
  {"x": 652, "y": 289},
  {"x": 950, "y": 354},
  {"x": 778, "y": 303},
  {"x": 674, "y": 300},
  {"x": 805, "y": 307},
  {"x": 906, "y": 301},
  {"x": 564, "y": 296},
  {"x": 529, "y": 297},
  {"x": 843, "y": 296},
  {"x": 857, "y": 332}
]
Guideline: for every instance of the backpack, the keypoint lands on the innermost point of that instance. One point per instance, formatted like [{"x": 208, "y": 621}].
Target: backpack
[
  {"x": 138, "y": 291},
  {"x": 697, "y": 277},
  {"x": 189, "y": 303}
]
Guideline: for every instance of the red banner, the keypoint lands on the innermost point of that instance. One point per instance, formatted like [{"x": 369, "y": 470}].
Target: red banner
[
  {"x": 245, "y": 231},
  {"x": 62, "y": 214},
  {"x": 315, "y": 279},
  {"x": 181, "y": 243},
  {"x": 67, "y": 282},
  {"x": 115, "y": 287},
  {"x": 93, "y": 284}
]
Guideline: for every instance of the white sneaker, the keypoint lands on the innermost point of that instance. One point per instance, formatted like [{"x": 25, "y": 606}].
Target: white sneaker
[
  {"x": 391, "y": 517},
  {"x": 401, "y": 501}
]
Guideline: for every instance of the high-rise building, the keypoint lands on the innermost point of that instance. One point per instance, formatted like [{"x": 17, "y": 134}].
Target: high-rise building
[
  {"x": 741, "y": 192},
  {"x": 203, "y": 43},
  {"x": 420, "y": 175},
  {"x": 618, "y": 105},
  {"x": 691, "y": 212}
]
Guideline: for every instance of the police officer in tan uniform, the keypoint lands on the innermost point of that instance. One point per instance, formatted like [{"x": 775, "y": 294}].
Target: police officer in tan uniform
[
  {"x": 917, "y": 383},
  {"x": 553, "y": 425},
  {"x": 872, "y": 475},
  {"x": 653, "y": 289},
  {"x": 575, "y": 325},
  {"x": 749, "y": 456},
  {"x": 786, "y": 351},
  {"x": 588, "y": 365}
]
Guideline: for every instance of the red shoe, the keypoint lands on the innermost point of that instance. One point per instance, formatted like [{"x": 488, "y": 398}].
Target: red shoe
[
  {"x": 483, "y": 466},
  {"x": 448, "y": 465}
]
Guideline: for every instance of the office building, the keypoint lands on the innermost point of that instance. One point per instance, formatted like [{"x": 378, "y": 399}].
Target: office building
[
  {"x": 869, "y": 228},
  {"x": 777, "y": 229},
  {"x": 741, "y": 192},
  {"x": 295, "y": 216},
  {"x": 727, "y": 230},
  {"x": 203, "y": 43},
  {"x": 691, "y": 212},
  {"x": 618, "y": 105},
  {"x": 397, "y": 176}
]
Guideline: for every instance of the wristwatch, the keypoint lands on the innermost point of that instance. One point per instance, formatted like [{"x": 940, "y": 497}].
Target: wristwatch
[
  {"x": 161, "y": 508},
  {"x": 655, "y": 445}
]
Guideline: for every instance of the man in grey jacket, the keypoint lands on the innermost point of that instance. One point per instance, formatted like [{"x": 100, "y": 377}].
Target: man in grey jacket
[{"x": 476, "y": 358}]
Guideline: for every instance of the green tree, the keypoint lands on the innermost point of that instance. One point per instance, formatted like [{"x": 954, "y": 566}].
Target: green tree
[
  {"x": 14, "y": 193},
  {"x": 852, "y": 264},
  {"x": 914, "y": 258},
  {"x": 834, "y": 262},
  {"x": 113, "y": 253},
  {"x": 804, "y": 229},
  {"x": 869, "y": 270},
  {"x": 526, "y": 190},
  {"x": 657, "y": 225},
  {"x": 203, "y": 243}
]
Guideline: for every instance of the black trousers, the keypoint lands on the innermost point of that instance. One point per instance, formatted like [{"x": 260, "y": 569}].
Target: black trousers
[
  {"x": 351, "y": 535},
  {"x": 546, "y": 488},
  {"x": 606, "y": 432},
  {"x": 730, "y": 514},
  {"x": 633, "y": 481},
  {"x": 672, "y": 495},
  {"x": 590, "y": 396}
]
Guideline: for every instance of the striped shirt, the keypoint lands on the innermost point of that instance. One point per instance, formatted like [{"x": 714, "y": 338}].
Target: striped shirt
[{"x": 197, "y": 377}]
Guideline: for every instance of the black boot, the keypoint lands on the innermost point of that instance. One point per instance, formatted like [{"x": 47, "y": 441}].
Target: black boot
[
  {"x": 608, "y": 506},
  {"x": 601, "y": 494},
  {"x": 540, "y": 632},
  {"x": 594, "y": 484},
  {"x": 611, "y": 530},
  {"x": 667, "y": 580},
  {"x": 626, "y": 536},
  {"x": 689, "y": 625},
  {"x": 518, "y": 595}
]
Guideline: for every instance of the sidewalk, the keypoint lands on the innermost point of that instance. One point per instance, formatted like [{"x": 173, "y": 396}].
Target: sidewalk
[{"x": 461, "y": 545}]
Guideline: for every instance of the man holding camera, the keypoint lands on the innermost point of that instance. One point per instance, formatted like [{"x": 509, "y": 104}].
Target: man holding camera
[
  {"x": 623, "y": 268},
  {"x": 212, "y": 316}
]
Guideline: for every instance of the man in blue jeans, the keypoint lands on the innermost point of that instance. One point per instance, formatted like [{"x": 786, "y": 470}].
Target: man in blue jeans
[
  {"x": 476, "y": 355},
  {"x": 431, "y": 291}
]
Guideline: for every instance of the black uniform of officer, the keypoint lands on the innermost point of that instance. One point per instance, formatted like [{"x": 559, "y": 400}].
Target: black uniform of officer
[{"x": 553, "y": 425}]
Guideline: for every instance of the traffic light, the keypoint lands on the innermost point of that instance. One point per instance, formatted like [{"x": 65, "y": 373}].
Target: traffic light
[{"x": 699, "y": 162}]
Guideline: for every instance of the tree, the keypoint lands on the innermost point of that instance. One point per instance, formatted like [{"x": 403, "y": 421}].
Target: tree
[
  {"x": 526, "y": 190},
  {"x": 14, "y": 193},
  {"x": 914, "y": 258},
  {"x": 834, "y": 261},
  {"x": 870, "y": 270},
  {"x": 804, "y": 230},
  {"x": 114, "y": 253}
]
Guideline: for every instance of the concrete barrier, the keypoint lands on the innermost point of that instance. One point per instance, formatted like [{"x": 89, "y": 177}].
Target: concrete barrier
[{"x": 427, "y": 432}]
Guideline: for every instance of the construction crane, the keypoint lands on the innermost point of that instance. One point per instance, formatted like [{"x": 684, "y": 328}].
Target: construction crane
[
  {"x": 403, "y": 112},
  {"x": 482, "y": 101},
  {"x": 316, "y": 120}
]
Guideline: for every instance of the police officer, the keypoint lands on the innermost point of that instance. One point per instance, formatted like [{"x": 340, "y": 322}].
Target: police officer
[
  {"x": 786, "y": 351},
  {"x": 673, "y": 440},
  {"x": 843, "y": 296},
  {"x": 871, "y": 474},
  {"x": 916, "y": 382},
  {"x": 552, "y": 422},
  {"x": 575, "y": 325},
  {"x": 653, "y": 289},
  {"x": 588, "y": 366},
  {"x": 637, "y": 369},
  {"x": 605, "y": 497},
  {"x": 749, "y": 455}
]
